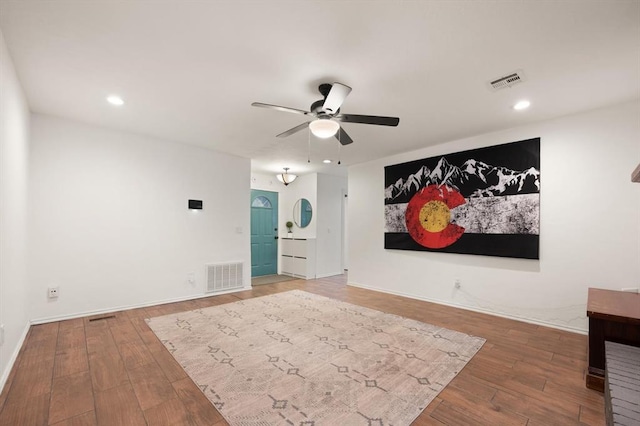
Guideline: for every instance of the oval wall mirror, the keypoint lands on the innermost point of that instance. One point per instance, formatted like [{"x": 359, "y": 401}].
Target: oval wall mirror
[{"x": 302, "y": 213}]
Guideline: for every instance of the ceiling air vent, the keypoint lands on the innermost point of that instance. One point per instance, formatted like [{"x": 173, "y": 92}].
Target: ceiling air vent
[{"x": 509, "y": 80}]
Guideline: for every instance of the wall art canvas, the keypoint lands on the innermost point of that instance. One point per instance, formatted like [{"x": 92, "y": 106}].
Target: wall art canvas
[{"x": 483, "y": 201}]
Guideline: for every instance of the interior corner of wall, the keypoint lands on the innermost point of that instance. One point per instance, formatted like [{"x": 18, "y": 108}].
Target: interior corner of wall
[{"x": 14, "y": 356}]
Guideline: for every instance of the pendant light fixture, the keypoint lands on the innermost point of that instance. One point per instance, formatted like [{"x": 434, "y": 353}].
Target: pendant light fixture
[{"x": 286, "y": 177}]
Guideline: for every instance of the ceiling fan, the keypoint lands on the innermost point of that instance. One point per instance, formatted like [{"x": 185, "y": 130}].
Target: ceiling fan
[{"x": 325, "y": 114}]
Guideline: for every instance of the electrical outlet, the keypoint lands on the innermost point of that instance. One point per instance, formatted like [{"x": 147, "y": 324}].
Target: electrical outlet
[
  {"x": 53, "y": 292},
  {"x": 191, "y": 278},
  {"x": 457, "y": 284}
]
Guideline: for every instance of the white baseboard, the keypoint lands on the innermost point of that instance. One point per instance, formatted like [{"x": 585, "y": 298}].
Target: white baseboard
[
  {"x": 127, "y": 307},
  {"x": 331, "y": 274},
  {"x": 474, "y": 309},
  {"x": 14, "y": 356}
]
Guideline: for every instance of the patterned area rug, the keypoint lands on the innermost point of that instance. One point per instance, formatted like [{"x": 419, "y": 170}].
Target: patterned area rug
[{"x": 296, "y": 358}]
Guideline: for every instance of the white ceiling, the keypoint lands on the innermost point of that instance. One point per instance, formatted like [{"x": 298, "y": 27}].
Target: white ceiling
[{"x": 189, "y": 70}]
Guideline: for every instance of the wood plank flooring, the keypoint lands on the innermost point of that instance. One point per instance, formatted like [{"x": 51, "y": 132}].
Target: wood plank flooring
[{"x": 114, "y": 371}]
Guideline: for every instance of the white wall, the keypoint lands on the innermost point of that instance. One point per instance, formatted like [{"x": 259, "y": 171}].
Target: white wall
[
  {"x": 305, "y": 186},
  {"x": 325, "y": 193},
  {"x": 14, "y": 152},
  {"x": 109, "y": 220},
  {"x": 590, "y": 226},
  {"x": 266, "y": 182},
  {"x": 329, "y": 225}
]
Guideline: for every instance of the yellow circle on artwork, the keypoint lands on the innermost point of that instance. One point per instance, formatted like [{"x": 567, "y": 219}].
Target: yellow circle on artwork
[{"x": 435, "y": 216}]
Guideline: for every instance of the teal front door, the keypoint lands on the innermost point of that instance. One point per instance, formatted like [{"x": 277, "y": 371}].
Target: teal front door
[{"x": 264, "y": 233}]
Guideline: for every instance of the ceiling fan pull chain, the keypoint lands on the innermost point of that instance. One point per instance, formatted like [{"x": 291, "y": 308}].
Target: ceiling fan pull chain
[
  {"x": 339, "y": 147},
  {"x": 309, "y": 147}
]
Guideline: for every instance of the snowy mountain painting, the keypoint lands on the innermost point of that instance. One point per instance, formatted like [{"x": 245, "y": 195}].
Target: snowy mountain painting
[{"x": 497, "y": 207}]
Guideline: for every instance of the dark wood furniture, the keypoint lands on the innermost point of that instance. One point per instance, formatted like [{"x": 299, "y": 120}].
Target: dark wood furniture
[
  {"x": 622, "y": 385},
  {"x": 614, "y": 316}
]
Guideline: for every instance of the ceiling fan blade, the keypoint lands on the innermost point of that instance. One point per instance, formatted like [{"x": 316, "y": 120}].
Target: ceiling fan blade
[
  {"x": 279, "y": 108},
  {"x": 367, "y": 119},
  {"x": 293, "y": 130},
  {"x": 343, "y": 137},
  {"x": 336, "y": 97}
]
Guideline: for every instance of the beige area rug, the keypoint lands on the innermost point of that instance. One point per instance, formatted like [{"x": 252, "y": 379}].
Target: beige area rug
[
  {"x": 271, "y": 279},
  {"x": 296, "y": 358}
]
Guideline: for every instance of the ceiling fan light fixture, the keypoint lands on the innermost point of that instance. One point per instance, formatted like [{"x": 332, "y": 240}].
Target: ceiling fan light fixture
[
  {"x": 286, "y": 177},
  {"x": 324, "y": 128}
]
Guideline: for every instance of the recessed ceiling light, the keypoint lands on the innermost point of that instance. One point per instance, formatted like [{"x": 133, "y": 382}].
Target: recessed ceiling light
[
  {"x": 326, "y": 161},
  {"x": 521, "y": 105},
  {"x": 115, "y": 100}
]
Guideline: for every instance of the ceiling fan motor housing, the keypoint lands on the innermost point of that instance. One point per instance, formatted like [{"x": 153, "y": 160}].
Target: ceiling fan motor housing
[
  {"x": 318, "y": 111},
  {"x": 324, "y": 89},
  {"x": 317, "y": 106}
]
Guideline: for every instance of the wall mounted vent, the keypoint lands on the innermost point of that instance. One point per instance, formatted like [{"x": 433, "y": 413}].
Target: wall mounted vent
[
  {"x": 224, "y": 276},
  {"x": 509, "y": 80}
]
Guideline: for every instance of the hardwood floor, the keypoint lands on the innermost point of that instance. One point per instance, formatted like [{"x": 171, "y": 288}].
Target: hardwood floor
[{"x": 92, "y": 371}]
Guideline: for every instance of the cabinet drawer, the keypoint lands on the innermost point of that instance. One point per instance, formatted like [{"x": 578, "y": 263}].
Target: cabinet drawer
[
  {"x": 300, "y": 267},
  {"x": 287, "y": 264},
  {"x": 299, "y": 248}
]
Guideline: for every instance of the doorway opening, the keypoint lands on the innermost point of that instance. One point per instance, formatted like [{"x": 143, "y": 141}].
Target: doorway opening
[{"x": 264, "y": 233}]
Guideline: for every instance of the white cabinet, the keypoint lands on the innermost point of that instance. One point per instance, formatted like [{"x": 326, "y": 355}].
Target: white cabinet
[{"x": 298, "y": 257}]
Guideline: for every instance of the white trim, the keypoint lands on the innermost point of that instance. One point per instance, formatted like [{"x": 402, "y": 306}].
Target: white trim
[
  {"x": 474, "y": 309},
  {"x": 330, "y": 274},
  {"x": 14, "y": 356},
  {"x": 128, "y": 307}
]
